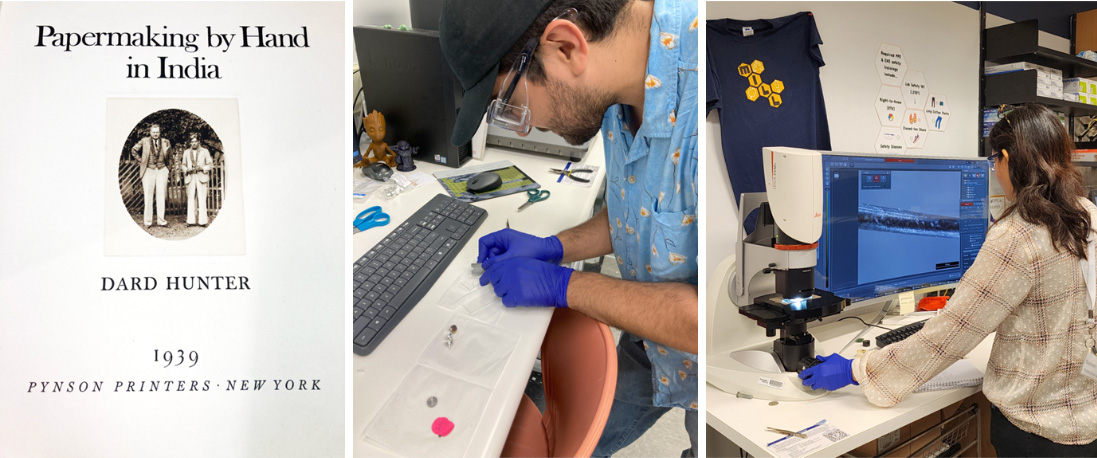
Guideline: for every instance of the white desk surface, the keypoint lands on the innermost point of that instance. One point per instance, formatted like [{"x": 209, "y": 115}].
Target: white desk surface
[
  {"x": 744, "y": 421},
  {"x": 378, "y": 375}
]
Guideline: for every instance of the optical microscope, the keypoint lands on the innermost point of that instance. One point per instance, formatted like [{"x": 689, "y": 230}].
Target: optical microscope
[{"x": 783, "y": 243}]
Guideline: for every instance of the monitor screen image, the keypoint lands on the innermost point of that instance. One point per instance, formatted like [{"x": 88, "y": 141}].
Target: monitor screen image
[{"x": 894, "y": 224}]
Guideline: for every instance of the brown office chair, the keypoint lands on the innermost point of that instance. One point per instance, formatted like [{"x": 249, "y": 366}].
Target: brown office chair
[{"x": 579, "y": 365}]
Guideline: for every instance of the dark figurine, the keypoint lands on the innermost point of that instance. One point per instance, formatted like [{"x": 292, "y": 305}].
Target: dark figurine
[
  {"x": 404, "y": 152},
  {"x": 375, "y": 128}
]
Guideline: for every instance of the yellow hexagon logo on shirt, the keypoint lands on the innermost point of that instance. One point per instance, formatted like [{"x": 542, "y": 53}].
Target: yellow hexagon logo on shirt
[
  {"x": 757, "y": 66},
  {"x": 764, "y": 90},
  {"x": 757, "y": 88}
]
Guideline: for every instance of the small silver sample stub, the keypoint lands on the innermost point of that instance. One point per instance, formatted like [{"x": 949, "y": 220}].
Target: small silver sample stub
[{"x": 432, "y": 401}]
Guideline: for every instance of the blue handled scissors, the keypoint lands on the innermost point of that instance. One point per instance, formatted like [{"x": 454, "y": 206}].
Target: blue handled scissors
[
  {"x": 535, "y": 196},
  {"x": 370, "y": 218}
]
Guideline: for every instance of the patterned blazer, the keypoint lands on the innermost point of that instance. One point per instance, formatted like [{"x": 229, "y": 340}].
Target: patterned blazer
[{"x": 145, "y": 145}]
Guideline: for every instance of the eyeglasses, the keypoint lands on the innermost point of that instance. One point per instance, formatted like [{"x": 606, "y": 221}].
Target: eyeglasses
[
  {"x": 516, "y": 116},
  {"x": 992, "y": 159}
]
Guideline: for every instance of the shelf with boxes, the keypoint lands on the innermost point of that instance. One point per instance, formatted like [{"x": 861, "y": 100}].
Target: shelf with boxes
[
  {"x": 1018, "y": 70},
  {"x": 1027, "y": 86},
  {"x": 1019, "y": 42}
]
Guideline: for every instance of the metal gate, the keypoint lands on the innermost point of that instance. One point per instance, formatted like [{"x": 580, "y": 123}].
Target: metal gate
[{"x": 133, "y": 193}]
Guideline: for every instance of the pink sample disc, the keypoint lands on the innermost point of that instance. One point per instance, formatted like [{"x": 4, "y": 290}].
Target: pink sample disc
[{"x": 442, "y": 426}]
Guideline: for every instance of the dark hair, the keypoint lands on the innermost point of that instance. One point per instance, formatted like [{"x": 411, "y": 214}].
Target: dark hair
[
  {"x": 598, "y": 19},
  {"x": 1046, "y": 185}
]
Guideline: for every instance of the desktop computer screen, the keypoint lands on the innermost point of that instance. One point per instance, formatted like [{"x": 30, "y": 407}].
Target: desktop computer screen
[{"x": 894, "y": 224}]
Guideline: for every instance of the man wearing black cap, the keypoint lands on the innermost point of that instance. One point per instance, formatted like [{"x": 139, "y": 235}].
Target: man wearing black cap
[{"x": 629, "y": 69}]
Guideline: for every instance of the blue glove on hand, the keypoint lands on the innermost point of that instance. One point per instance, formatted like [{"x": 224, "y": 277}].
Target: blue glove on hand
[
  {"x": 528, "y": 282},
  {"x": 835, "y": 372},
  {"x": 509, "y": 243}
]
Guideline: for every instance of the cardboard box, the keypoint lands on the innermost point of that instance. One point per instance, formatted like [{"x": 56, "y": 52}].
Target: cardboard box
[
  {"x": 1049, "y": 93},
  {"x": 883, "y": 443},
  {"x": 901, "y": 444},
  {"x": 1070, "y": 96},
  {"x": 900, "y": 452},
  {"x": 1053, "y": 73},
  {"x": 1080, "y": 85},
  {"x": 925, "y": 423},
  {"x": 1047, "y": 79},
  {"x": 1085, "y": 31},
  {"x": 1054, "y": 87},
  {"x": 917, "y": 444}
]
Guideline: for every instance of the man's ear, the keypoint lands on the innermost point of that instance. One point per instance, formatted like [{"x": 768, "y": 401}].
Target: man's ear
[{"x": 563, "y": 49}]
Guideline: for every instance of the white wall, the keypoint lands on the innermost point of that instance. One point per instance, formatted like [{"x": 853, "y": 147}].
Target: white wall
[
  {"x": 379, "y": 12},
  {"x": 940, "y": 39}
]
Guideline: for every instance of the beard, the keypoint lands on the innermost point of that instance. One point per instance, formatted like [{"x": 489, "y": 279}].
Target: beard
[{"x": 577, "y": 112}]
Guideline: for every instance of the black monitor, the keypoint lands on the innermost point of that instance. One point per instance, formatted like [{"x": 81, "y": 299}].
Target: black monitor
[
  {"x": 895, "y": 224},
  {"x": 425, "y": 14},
  {"x": 406, "y": 78}
]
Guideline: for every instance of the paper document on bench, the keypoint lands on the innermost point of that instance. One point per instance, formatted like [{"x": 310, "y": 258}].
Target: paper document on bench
[{"x": 959, "y": 374}]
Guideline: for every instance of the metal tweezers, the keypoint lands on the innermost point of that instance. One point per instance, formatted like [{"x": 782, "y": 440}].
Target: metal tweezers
[{"x": 787, "y": 432}]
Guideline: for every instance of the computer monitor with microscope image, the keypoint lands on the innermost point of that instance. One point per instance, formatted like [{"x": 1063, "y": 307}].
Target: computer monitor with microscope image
[{"x": 895, "y": 224}]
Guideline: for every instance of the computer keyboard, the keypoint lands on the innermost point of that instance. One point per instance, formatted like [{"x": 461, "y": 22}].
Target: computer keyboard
[
  {"x": 395, "y": 274},
  {"x": 898, "y": 334}
]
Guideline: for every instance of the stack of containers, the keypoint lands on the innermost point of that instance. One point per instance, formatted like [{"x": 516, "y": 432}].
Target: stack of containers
[
  {"x": 1081, "y": 90},
  {"x": 1049, "y": 81},
  {"x": 991, "y": 117}
]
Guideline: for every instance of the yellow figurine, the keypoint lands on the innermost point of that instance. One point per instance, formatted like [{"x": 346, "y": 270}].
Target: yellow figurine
[{"x": 375, "y": 128}]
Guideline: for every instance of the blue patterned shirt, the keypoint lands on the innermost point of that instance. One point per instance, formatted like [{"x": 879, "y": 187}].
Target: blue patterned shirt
[{"x": 652, "y": 184}]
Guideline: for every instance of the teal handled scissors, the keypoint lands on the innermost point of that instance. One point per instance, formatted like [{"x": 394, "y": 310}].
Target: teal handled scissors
[
  {"x": 370, "y": 218},
  {"x": 535, "y": 196}
]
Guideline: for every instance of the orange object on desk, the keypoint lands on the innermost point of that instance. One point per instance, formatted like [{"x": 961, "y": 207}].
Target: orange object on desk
[{"x": 932, "y": 303}]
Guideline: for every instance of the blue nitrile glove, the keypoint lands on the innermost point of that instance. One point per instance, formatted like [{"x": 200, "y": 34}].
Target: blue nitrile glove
[
  {"x": 528, "y": 282},
  {"x": 835, "y": 372},
  {"x": 509, "y": 243}
]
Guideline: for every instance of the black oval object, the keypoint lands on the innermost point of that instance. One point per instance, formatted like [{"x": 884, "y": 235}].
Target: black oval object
[
  {"x": 484, "y": 182},
  {"x": 379, "y": 171}
]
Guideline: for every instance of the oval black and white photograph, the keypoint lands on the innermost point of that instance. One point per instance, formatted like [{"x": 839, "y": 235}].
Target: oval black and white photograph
[{"x": 171, "y": 174}]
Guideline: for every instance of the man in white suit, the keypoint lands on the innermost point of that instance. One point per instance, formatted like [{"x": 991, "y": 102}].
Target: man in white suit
[
  {"x": 196, "y": 168},
  {"x": 154, "y": 172}
]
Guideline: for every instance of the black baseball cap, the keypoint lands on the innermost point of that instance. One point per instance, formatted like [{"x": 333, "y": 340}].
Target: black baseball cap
[{"x": 475, "y": 35}]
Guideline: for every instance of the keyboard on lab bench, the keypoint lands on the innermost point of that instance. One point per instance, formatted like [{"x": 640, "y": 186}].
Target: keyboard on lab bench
[
  {"x": 395, "y": 274},
  {"x": 898, "y": 334}
]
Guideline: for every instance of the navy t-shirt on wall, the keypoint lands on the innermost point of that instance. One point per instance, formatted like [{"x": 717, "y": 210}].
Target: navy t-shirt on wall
[{"x": 763, "y": 80}]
